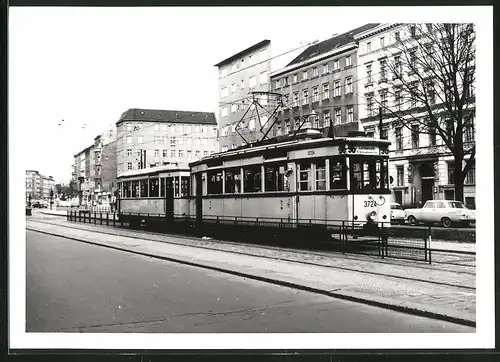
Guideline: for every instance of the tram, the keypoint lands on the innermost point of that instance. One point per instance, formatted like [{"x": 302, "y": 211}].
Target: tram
[{"x": 306, "y": 178}]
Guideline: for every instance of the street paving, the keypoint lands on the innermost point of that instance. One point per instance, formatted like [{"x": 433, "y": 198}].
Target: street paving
[
  {"x": 77, "y": 287},
  {"x": 372, "y": 282}
]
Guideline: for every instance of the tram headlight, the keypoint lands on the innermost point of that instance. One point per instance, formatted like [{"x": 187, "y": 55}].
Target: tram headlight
[{"x": 371, "y": 215}]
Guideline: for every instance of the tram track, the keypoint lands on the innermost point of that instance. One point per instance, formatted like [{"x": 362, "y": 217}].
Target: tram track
[{"x": 293, "y": 253}]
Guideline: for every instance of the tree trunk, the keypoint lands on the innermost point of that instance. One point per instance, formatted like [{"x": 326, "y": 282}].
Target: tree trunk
[{"x": 459, "y": 180}]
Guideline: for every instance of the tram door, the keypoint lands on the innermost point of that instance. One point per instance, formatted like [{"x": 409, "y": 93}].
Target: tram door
[
  {"x": 169, "y": 197},
  {"x": 199, "y": 199}
]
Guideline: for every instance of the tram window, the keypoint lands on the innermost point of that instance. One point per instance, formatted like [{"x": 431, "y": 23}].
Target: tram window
[
  {"x": 233, "y": 181},
  {"x": 369, "y": 175},
  {"x": 305, "y": 183},
  {"x": 162, "y": 187},
  {"x": 252, "y": 179},
  {"x": 275, "y": 178},
  {"x": 153, "y": 187},
  {"x": 127, "y": 188},
  {"x": 320, "y": 175},
  {"x": 214, "y": 185},
  {"x": 184, "y": 186},
  {"x": 135, "y": 189},
  {"x": 176, "y": 187},
  {"x": 381, "y": 174},
  {"x": 143, "y": 187},
  {"x": 337, "y": 174}
]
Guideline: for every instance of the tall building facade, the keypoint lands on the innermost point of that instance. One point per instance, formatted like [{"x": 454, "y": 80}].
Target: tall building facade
[
  {"x": 320, "y": 87},
  {"x": 38, "y": 186},
  {"x": 421, "y": 165},
  {"x": 85, "y": 184},
  {"x": 239, "y": 75},
  {"x": 148, "y": 138}
]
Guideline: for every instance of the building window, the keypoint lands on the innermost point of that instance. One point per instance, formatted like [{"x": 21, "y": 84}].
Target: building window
[
  {"x": 252, "y": 60},
  {"x": 398, "y": 69},
  {"x": 140, "y": 139},
  {"x": 252, "y": 179},
  {"x": 172, "y": 153},
  {"x": 233, "y": 88},
  {"x": 383, "y": 101},
  {"x": 369, "y": 73},
  {"x": 397, "y": 36},
  {"x": 305, "y": 179},
  {"x": 336, "y": 65},
  {"x": 287, "y": 126},
  {"x": 305, "y": 95},
  {"x": 223, "y": 92},
  {"x": 314, "y": 121},
  {"x": 304, "y": 75},
  {"x": 157, "y": 140},
  {"x": 326, "y": 91},
  {"x": 348, "y": 85},
  {"x": 383, "y": 75},
  {"x": 277, "y": 83},
  {"x": 413, "y": 62},
  {"x": 399, "y": 138},
  {"x": 252, "y": 82},
  {"x": 338, "y": 116},
  {"x": 470, "y": 202},
  {"x": 350, "y": 114},
  {"x": 450, "y": 130},
  {"x": 263, "y": 77},
  {"x": 320, "y": 175},
  {"x": 348, "y": 61},
  {"x": 263, "y": 55},
  {"x": 469, "y": 134},
  {"x": 285, "y": 81},
  {"x": 263, "y": 121},
  {"x": 295, "y": 78},
  {"x": 382, "y": 42},
  {"x": 181, "y": 153},
  {"x": 400, "y": 176},
  {"x": 129, "y": 126},
  {"x": 336, "y": 89},
  {"x": 129, "y": 152},
  {"x": 156, "y": 127},
  {"x": 129, "y": 140},
  {"x": 129, "y": 165},
  {"x": 325, "y": 68},
  {"x": 197, "y": 152},
  {"x": 224, "y": 112},
  {"x": 224, "y": 72},
  {"x": 234, "y": 108},
  {"x": 315, "y": 72},
  {"x": 397, "y": 99},
  {"x": 157, "y": 153},
  {"x": 315, "y": 94},
  {"x": 432, "y": 135},
  {"x": 251, "y": 124},
  {"x": 165, "y": 153},
  {"x": 296, "y": 99},
  {"x": 369, "y": 47},
  {"x": 431, "y": 93},
  {"x": 384, "y": 134},
  {"x": 413, "y": 31},
  {"x": 470, "y": 177},
  {"x": 326, "y": 119},
  {"x": 451, "y": 173},
  {"x": 369, "y": 105}
]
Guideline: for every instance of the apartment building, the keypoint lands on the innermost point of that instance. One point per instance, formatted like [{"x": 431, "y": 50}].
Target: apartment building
[
  {"x": 82, "y": 172},
  {"x": 421, "y": 166},
  {"x": 38, "y": 186},
  {"x": 239, "y": 75},
  {"x": 320, "y": 87},
  {"x": 150, "y": 138}
]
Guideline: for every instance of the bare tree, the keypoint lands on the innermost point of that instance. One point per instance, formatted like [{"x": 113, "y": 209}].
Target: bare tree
[{"x": 430, "y": 72}]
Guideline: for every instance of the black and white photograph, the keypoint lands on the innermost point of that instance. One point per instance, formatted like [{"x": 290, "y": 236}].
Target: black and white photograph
[{"x": 250, "y": 177}]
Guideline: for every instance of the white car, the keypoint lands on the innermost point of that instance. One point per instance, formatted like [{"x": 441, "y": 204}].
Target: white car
[
  {"x": 445, "y": 212},
  {"x": 398, "y": 215}
]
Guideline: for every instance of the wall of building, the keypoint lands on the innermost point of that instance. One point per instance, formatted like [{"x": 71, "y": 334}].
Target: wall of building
[
  {"x": 164, "y": 142},
  {"x": 234, "y": 79},
  {"x": 320, "y": 73},
  {"x": 108, "y": 170}
]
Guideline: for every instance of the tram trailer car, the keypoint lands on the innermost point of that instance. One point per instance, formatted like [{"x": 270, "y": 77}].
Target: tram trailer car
[
  {"x": 311, "y": 179},
  {"x": 154, "y": 194}
]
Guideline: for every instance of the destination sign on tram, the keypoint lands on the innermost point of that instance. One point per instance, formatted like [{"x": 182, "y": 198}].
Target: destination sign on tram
[{"x": 354, "y": 149}]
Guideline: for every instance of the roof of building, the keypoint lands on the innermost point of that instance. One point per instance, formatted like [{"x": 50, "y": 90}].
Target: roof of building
[
  {"x": 159, "y": 115},
  {"x": 331, "y": 44},
  {"x": 247, "y": 50}
]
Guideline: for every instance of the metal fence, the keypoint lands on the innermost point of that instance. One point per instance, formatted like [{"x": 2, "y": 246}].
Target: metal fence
[{"x": 339, "y": 235}]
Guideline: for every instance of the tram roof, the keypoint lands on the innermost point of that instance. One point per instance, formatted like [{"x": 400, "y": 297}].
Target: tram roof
[
  {"x": 249, "y": 150},
  {"x": 155, "y": 170}
]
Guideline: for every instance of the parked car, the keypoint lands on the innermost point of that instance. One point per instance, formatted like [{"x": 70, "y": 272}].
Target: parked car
[
  {"x": 445, "y": 212},
  {"x": 398, "y": 215}
]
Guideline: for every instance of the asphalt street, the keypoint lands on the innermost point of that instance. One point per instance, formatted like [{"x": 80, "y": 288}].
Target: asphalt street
[{"x": 77, "y": 287}]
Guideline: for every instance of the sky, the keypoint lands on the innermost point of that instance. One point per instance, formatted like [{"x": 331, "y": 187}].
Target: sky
[{"x": 87, "y": 66}]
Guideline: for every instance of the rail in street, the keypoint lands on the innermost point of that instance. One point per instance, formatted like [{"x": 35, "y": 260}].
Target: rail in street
[{"x": 441, "y": 290}]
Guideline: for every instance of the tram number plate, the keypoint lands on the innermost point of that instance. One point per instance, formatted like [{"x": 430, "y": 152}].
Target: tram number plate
[
  {"x": 370, "y": 203},
  {"x": 310, "y": 153}
]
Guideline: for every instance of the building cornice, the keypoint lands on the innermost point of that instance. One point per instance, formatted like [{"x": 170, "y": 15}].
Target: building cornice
[
  {"x": 318, "y": 58},
  {"x": 378, "y": 30}
]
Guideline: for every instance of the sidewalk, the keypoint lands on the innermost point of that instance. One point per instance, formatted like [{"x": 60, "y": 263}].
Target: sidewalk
[{"x": 373, "y": 282}]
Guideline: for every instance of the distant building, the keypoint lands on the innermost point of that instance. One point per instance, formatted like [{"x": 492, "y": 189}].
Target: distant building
[
  {"x": 320, "y": 87},
  {"x": 85, "y": 186},
  {"x": 149, "y": 138},
  {"x": 239, "y": 75},
  {"x": 38, "y": 186}
]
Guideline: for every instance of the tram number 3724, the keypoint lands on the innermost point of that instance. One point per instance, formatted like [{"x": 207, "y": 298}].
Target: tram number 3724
[{"x": 370, "y": 203}]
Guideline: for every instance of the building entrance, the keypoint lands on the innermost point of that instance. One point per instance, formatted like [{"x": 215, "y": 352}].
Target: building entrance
[{"x": 427, "y": 177}]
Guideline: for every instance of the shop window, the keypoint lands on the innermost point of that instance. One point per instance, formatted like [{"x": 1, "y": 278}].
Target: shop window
[
  {"x": 337, "y": 174},
  {"x": 398, "y": 197},
  {"x": 320, "y": 175},
  {"x": 470, "y": 203},
  {"x": 214, "y": 185},
  {"x": 275, "y": 178},
  {"x": 252, "y": 179},
  {"x": 233, "y": 181},
  {"x": 449, "y": 195},
  {"x": 305, "y": 182},
  {"x": 153, "y": 187}
]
